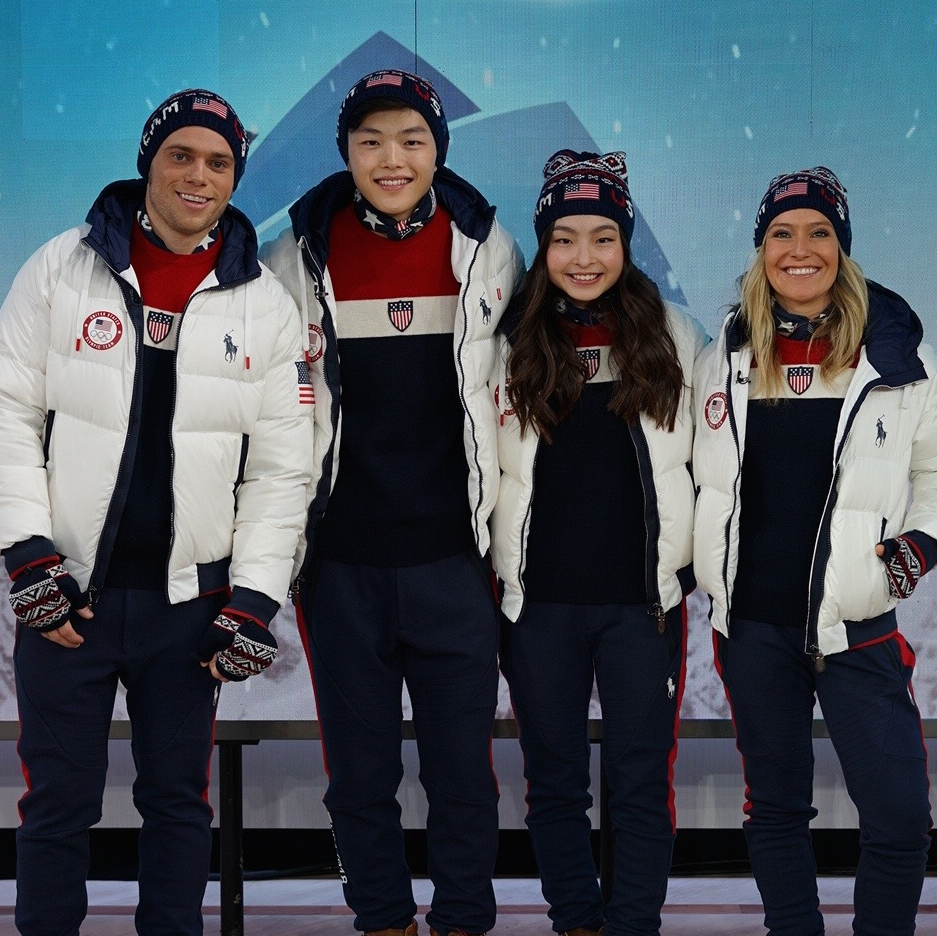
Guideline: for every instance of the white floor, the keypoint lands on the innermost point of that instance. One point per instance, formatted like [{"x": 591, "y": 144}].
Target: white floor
[{"x": 696, "y": 906}]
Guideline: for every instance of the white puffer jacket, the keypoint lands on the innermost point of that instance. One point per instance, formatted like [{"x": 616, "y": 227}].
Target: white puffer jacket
[
  {"x": 881, "y": 487},
  {"x": 664, "y": 463},
  {"x": 488, "y": 266},
  {"x": 70, "y": 343}
]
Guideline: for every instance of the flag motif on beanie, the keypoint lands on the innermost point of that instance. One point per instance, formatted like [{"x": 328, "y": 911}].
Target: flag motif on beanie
[
  {"x": 211, "y": 104},
  {"x": 816, "y": 188},
  {"x": 399, "y": 85},
  {"x": 193, "y": 107},
  {"x": 585, "y": 183}
]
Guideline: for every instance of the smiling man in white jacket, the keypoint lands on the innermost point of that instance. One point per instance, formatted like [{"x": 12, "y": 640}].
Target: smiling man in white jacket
[{"x": 155, "y": 421}]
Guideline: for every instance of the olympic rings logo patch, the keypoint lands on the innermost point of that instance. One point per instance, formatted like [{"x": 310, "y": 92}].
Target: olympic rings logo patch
[
  {"x": 102, "y": 330},
  {"x": 716, "y": 410}
]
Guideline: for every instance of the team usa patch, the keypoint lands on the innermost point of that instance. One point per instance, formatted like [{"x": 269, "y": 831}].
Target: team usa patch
[
  {"x": 400, "y": 313},
  {"x": 316, "y": 343},
  {"x": 590, "y": 359},
  {"x": 158, "y": 325},
  {"x": 716, "y": 410},
  {"x": 102, "y": 330},
  {"x": 508, "y": 409},
  {"x": 799, "y": 378}
]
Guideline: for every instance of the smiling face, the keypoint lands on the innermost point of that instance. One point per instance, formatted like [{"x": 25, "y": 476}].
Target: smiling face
[
  {"x": 392, "y": 158},
  {"x": 585, "y": 256},
  {"x": 801, "y": 260},
  {"x": 189, "y": 186}
]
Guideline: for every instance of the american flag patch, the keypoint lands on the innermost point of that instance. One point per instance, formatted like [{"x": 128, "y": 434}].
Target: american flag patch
[
  {"x": 581, "y": 190},
  {"x": 158, "y": 325},
  {"x": 799, "y": 378},
  {"x": 396, "y": 80},
  {"x": 792, "y": 188},
  {"x": 306, "y": 394},
  {"x": 590, "y": 358},
  {"x": 400, "y": 313},
  {"x": 209, "y": 104}
]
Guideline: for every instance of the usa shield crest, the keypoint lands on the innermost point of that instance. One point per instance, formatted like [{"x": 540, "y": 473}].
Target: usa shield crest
[
  {"x": 158, "y": 325},
  {"x": 590, "y": 358},
  {"x": 400, "y": 312},
  {"x": 799, "y": 378}
]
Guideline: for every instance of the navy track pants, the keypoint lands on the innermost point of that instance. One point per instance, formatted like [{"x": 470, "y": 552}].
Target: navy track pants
[
  {"x": 66, "y": 700},
  {"x": 434, "y": 627},
  {"x": 550, "y": 657},
  {"x": 868, "y": 705}
]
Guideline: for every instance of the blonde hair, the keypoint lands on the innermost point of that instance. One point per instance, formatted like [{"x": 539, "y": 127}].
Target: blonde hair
[{"x": 843, "y": 328}]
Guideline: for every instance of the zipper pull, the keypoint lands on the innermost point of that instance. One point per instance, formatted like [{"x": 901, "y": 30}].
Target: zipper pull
[
  {"x": 293, "y": 591},
  {"x": 819, "y": 661},
  {"x": 657, "y": 609},
  {"x": 92, "y": 596}
]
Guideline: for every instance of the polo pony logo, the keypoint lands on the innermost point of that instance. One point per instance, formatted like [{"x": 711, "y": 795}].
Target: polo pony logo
[
  {"x": 486, "y": 310},
  {"x": 230, "y": 348}
]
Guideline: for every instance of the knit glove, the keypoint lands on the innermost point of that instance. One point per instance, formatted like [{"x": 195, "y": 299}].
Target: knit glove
[
  {"x": 244, "y": 647},
  {"x": 907, "y": 558},
  {"x": 43, "y": 594}
]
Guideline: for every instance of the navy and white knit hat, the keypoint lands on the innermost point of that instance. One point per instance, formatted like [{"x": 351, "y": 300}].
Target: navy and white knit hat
[
  {"x": 585, "y": 184},
  {"x": 193, "y": 107},
  {"x": 402, "y": 86},
  {"x": 815, "y": 188}
]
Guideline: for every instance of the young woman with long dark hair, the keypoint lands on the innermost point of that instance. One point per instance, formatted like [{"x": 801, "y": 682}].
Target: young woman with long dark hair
[{"x": 592, "y": 538}]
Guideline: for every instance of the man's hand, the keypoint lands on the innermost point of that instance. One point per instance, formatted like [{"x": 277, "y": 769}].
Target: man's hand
[
  {"x": 236, "y": 647},
  {"x": 42, "y": 597},
  {"x": 66, "y": 635}
]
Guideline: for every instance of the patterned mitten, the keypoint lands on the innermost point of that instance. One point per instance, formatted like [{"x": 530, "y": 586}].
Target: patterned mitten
[
  {"x": 42, "y": 595},
  {"x": 244, "y": 646},
  {"x": 905, "y": 563}
]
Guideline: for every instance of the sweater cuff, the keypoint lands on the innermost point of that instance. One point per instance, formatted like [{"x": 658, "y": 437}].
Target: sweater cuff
[
  {"x": 252, "y": 604},
  {"x": 35, "y": 551}
]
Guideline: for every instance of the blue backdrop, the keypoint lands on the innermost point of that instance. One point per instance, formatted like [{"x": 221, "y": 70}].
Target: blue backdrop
[{"x": 710, "y": 100}]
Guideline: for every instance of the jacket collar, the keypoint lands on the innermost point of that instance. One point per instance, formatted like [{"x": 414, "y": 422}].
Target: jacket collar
[
  {"x": 113, "y": 215},
  {"x": 313, "y": 212},
  {"x": 893, "y": 334}
]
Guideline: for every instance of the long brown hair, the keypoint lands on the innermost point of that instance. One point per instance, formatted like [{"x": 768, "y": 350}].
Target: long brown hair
[{"x": 547, "y": 375}]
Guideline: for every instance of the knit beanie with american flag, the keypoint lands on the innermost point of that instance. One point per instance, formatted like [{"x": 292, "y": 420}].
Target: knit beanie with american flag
[
  {"x": 193, "y": 107},
  {"x": 398, "y": 85},
  {"x": 585, "y": 184},
  {"x": 815, "y": 188}
]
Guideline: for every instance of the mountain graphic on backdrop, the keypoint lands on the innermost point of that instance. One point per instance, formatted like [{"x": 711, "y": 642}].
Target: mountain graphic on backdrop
[{"x": 502, "y": 155}]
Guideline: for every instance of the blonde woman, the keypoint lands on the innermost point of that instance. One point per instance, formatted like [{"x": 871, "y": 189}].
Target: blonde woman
[{"x": 815, "y": 413}]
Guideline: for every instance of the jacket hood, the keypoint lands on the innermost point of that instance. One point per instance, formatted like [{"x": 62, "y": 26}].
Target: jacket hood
[
  {"x": 113, "y": 215},
  {"x": 893, "y": 333},
  {"x": 313, "y": 212}
]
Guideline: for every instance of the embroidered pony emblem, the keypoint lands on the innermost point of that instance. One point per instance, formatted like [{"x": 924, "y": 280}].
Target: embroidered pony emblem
[
  {"x": 486, "y": 310},
  {"x": 880, "y": 432},
  {"x": 230, "y": 348}
]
